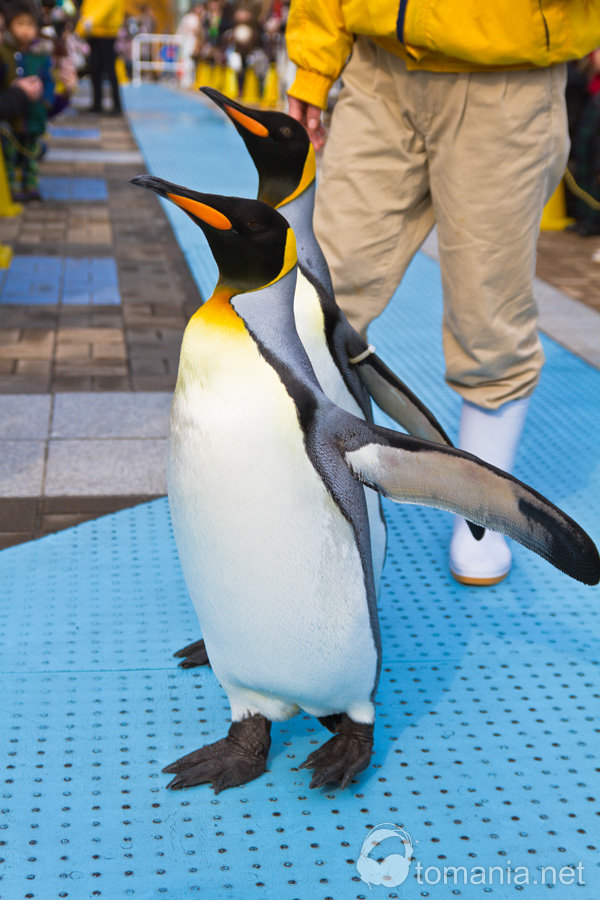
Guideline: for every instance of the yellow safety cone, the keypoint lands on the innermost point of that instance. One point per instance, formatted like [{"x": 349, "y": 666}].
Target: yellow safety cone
[
  {"x": 251, "y": 89},
  {"x": 219, "y": 78},
  {"x": 8, "y": 208},
  {"x": 270, "y": 97},
  {"x": 121, "y": 71},
  {"x": 231, "y": 87},
  {"x": 202, "y": 75},
  {"x": 554, "y": 217}
]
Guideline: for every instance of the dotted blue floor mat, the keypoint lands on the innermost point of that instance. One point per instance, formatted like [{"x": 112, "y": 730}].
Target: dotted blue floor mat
[
  {"x": 486, "y": 748},
  {"x": 52, "y": 280}
]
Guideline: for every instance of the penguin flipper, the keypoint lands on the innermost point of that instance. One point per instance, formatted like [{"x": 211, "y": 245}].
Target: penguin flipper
[
  {"x": 409, "y": 470},
  {"x": 193, "y": 655},
  {"x": 397, "y": 400},
  {"x": 390, "y": 394}
]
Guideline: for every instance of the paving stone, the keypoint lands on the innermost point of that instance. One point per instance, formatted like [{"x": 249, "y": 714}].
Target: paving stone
[
  {"x": 21, "y": 468},
  {"x": 18, "y": 514},
  {"x": 33, "y": 344},
  {"x": 96, "y": 415},
  {"x": 106, "y": 467},
  {"x": 23, "y": 384},
  {"x": 25, "y": 417},
  {"x": 33, "y": 367}
]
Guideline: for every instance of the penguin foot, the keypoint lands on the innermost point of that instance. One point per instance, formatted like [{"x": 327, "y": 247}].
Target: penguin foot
[
  {"x": 193, "y": 655},
  {"x": 342, "y": 757},
  {"x": 236, "y": 759}
]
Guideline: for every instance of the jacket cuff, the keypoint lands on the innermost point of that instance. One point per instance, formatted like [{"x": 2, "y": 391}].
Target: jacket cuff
[{"x": 311, "y": 87}]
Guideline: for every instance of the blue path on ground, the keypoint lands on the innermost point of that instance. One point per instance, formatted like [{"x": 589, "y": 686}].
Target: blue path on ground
[
  {"x": 486, "y": 745},
  {"x": 70, "y": 189},
  {"x": 41, "y": 280}
]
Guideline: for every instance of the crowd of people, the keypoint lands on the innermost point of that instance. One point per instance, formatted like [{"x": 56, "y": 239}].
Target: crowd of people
[
  {"x": 48, "y": 45},
  {"x": 236, "y": 34}
]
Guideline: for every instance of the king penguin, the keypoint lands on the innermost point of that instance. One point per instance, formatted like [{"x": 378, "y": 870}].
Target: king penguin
[
  {"x": 346, "y": 367},
  {"x": 265, "y": 479}
]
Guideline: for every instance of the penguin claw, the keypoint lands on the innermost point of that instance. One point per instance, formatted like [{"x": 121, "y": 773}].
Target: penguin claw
[
  {"x": 193, "y": 655},
  {"x": 236, "y": 759},
  {"x": 343, "y": 756}
]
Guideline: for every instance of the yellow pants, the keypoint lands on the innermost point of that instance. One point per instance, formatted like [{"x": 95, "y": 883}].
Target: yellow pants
[{"x": 478, "y": 154}]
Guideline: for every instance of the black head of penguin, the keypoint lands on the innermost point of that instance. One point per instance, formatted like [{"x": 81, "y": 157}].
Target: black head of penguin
[
  {"x": 279, "y": 146},
  {"x": 252, "y": 243}
]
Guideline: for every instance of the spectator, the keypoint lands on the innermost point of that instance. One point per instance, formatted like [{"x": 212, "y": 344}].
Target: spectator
[
  {"x": 99, "y": 24},
  {"x": 585, "y": 159},
  {"x": 191, "y": 26},
  {"x": 23, "y": 56}
]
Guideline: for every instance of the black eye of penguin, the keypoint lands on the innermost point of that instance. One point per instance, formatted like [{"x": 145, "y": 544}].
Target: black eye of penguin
[
  {"x": 254, "y": 225},
  {"x": 286, "y": 131}
]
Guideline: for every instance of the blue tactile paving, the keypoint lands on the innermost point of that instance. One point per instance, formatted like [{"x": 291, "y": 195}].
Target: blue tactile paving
[
  {"x": 56, "y": 187},
  {"x": 73, "y": 133},
  {"x": 486, "y": 745},
  {"x": 92, "y": 281},
  {"x": 52, "y": 280},
  {"x": 32, "y": 280}
]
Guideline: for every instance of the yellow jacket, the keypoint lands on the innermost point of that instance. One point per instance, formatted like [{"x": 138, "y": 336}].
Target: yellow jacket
[
  {"x": 437, "y": 35},
  {"x": 100, "y": 18}
]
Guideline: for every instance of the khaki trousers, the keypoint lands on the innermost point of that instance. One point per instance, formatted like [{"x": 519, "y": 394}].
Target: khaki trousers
[{"x": 477, "y": 153}]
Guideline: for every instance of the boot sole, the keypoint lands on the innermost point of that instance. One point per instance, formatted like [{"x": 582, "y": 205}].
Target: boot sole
[{"x": 478, "y": 582}]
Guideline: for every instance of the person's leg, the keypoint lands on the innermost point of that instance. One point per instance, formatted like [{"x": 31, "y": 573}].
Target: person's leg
[
  {"x": 96, "y": 72},
  {"x": 10, "y": 160},
  {"x": 492, "y": 435},
  {"x": 373, "y": 207},
  {"x": 497, "y": 151},
  {"x": 31, "y": 167},
  {"x": 108, "y": 67}
]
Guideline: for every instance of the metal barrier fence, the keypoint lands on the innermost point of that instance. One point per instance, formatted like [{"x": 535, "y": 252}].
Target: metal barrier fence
[{"x": 163, "y": 54}]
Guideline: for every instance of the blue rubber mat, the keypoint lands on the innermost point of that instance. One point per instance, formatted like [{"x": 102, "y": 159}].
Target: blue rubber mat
[
  {"x": 486, "y": 747},
  {"x": 51, "y": 280},
  {"x": 56, "y": 187},
  {"x": 486, "y": 739}
]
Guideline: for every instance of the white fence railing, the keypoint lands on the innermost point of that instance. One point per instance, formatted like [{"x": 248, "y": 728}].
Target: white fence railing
[{"x": 161, "y": 54}]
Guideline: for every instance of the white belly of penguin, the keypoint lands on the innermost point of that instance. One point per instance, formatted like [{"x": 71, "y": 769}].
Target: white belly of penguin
[
  {"x": 310, "y": 325},
  {"x": 271, "y": 564}
]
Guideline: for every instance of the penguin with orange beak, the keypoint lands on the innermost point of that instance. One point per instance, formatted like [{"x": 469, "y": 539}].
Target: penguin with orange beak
[
  {"x": 265, "y": 479},
  {"x": 346, "y": 366}
]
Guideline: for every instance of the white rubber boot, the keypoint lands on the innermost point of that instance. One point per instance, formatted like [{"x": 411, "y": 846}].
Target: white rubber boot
[{"x": 492, "y": 435}]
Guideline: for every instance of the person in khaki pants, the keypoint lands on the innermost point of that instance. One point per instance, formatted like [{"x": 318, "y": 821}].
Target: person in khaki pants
[{"x": 450, "y": 113}]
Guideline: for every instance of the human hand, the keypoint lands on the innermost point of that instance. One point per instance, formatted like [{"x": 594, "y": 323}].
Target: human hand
[
  {"x": 310, "y": 117},
  {"x": 31, "y": 86}
]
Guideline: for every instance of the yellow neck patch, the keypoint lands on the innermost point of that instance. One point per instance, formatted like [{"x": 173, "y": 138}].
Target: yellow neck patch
[
  {"x": 218, "y": 311},
  {"x": 290, "y": 256},
  {"x": 309, "y": 173}
]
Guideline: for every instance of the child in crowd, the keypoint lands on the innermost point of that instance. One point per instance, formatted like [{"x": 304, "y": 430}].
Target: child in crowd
[{"x": 22, "y": 55}]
